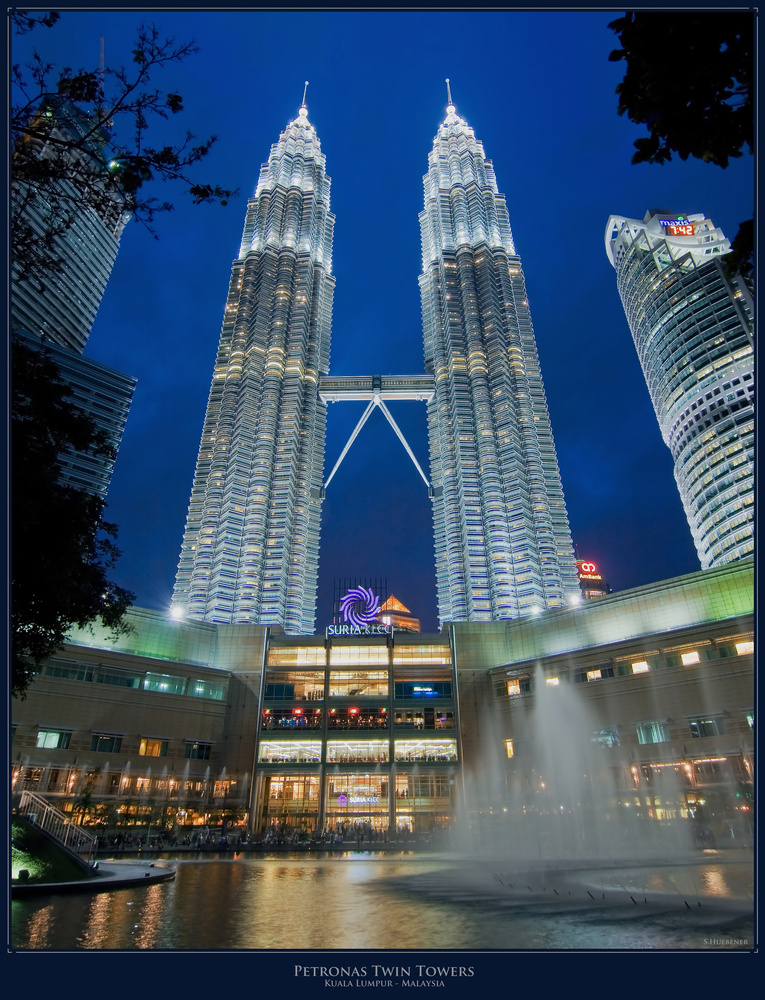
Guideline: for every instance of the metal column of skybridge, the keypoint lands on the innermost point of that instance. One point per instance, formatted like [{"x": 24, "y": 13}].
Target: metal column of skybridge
[{"x": 376, "y": 389}]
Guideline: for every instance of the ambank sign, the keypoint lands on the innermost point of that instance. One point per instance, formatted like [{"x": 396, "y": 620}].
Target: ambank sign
[{"x": 359, "y": 608}]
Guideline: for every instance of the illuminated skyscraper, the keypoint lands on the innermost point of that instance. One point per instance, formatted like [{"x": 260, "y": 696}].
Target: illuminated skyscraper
[
  {"x": 693, "y": 331},
  {"x": 251, "y": 547},
  {"x": 503, "y": 544}
]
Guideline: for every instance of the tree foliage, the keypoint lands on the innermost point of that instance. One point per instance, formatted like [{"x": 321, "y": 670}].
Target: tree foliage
[
  {"x": 61, "y": 548},
  {"x": 690, "y": 81},
  {"x": 80, "y": 140}
]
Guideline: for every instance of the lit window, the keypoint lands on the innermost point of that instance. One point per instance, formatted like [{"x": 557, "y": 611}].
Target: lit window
[
  {"x": 206, "y": 689},
  {"x": 53, "y": 739},
  {"x": 518, "y": 685},
  {"x": 509, "y": 748},
  {"x": 165, "y": 683},
  {"x": 689, "y": 658},
  {"x": 640, "y": 667},
  {"x": 594, "y": 675},
  {"x": 608, "y": 737},
  {"x": 653, "y": 732},
  {"x": 552, "y": 682},
  {"x": 153, "y": 748},
  {"x": 744, "y": 648}
]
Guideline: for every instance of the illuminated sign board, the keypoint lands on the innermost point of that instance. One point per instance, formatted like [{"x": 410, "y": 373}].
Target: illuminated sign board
[
  {"x": 588, "y": 571},
  {"x": 678, "y": 227},
  {"x": 358, "y": 630},
  {"x": 359, "y": 609}
]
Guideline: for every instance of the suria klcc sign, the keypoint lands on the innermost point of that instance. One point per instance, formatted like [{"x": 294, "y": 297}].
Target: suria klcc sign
[{"x": 359, "y": 609}]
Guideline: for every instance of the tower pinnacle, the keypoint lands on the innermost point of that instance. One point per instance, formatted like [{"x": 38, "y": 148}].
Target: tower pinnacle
[{"x": 450, "y": 109}]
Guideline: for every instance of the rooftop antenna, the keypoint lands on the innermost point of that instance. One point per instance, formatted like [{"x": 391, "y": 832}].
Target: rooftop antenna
[
  {"x": 449, "y": 92},
  {"x": 304, "y": 93}
]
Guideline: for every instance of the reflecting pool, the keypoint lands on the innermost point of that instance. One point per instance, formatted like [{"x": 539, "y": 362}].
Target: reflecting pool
[{"x": 367, "y": 901}]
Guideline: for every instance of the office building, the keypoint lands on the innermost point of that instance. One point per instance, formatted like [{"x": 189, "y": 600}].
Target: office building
[
  {"x": 250, "y": 550},
  {"x": 693, "y": 331},
  {"x": 591, "y": 580},
  {"x": 75, "y": 222},
  {"x": 102, "y": 394},
  {"x": 394, "y": 613},
  {"x": 502, "y": 539},
  {"x": 60, "y": 305}
]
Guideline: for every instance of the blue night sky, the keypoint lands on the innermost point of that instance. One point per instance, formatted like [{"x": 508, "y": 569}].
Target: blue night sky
[{"x": 539, "y": 91}]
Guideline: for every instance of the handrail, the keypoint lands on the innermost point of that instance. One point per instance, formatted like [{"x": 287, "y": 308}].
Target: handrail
[{"x": 40, "y": 813}]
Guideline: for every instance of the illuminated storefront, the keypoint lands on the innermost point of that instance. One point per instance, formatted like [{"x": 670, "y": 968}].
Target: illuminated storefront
[{"x": 371, "y": 724}]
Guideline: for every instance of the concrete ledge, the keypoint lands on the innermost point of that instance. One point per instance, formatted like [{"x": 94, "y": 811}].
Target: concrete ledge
[{"x": 118, "y": 875}]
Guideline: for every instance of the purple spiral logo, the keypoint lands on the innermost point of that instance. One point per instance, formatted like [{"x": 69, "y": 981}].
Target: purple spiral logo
[{"x": 359, "y": 607}]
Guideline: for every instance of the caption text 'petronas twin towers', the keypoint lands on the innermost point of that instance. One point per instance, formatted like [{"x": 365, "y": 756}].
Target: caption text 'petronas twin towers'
[{"x": 502, "y": 541}]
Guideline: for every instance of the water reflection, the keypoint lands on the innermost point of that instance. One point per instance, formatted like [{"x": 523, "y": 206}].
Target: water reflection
[{"x": 373, "y": 904}]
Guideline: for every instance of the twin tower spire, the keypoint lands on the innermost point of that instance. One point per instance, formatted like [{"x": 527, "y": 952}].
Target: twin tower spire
[{"x": 503, "y": 548}]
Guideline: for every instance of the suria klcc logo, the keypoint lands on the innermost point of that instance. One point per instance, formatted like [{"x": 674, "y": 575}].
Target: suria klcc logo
[{"x": 359, "y": 608}]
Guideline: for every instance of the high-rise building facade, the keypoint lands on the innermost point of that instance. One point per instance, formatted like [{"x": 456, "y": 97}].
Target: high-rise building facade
[
  {"x": 693, "y": 331},
  {"x": 502, "y": 539},
  {"x": 69, "y": 226},
  {"x": 102, "y": 394},
  {"x": 251, "y": 546},
  {"x": 91, "y": 213}
]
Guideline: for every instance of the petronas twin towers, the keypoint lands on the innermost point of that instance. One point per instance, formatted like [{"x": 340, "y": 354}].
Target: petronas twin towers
[{"x": 502, "y": 541}]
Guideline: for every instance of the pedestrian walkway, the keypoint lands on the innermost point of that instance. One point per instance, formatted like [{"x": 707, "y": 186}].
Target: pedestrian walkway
[{"x": 112, "y": 875}]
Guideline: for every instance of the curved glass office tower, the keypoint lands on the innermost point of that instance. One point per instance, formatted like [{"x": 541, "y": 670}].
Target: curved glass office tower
[
  {"x": 251, "y": 546},
  {"x": 502, "y": 538},
  {"x": 693, "y": 331}
]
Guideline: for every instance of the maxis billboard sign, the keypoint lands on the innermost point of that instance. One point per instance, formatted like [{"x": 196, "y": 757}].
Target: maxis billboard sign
[
  {"x": 678, "y": 227},
  {"x": 359, "y": 609}
]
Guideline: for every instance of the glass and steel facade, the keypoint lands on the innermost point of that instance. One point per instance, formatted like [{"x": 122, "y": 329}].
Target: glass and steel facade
[
  {"x": 693, "y": 331},
  {"x": 251, "y": 545},
  {"x": 105, "y": 396},
  {"x": 502, "y": 538},
  {"x": 62, "y": 308},
  {"x": 357, "y": 739}
]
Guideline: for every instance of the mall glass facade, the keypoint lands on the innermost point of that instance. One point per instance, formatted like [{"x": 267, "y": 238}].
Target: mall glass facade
[{"x": 357, "y": 736}]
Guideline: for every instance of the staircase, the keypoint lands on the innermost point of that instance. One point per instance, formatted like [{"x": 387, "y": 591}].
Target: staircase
[{"x": 42, "y": 815}]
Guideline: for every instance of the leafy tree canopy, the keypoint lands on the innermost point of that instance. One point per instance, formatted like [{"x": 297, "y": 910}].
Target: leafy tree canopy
[
  {"x": 690, "y": 81},
  {"x": 62, "y": 549},
  {"x": 80, "y": 139}
]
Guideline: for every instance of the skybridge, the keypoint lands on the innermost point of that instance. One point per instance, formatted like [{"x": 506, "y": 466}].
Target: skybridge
[{"x": 376, "y": 389}]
